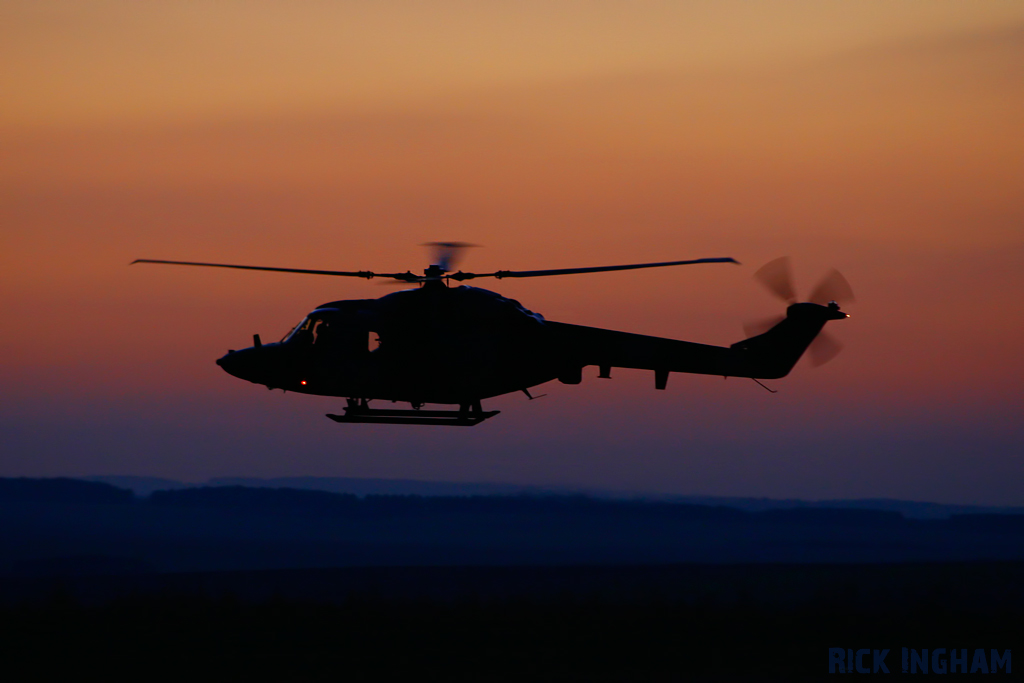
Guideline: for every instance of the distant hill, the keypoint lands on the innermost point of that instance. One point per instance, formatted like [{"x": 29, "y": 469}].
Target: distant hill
[
  {"x": 68, "y": 527},
  {"x": 143, "y": 486},
  {"x": 61, "y": 490},
  {"x": 385, "y": 487},
  {"x": 907, "y": 508}
]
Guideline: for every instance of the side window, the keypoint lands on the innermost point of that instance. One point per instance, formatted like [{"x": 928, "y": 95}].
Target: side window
[{"x": 374, "y": 341}]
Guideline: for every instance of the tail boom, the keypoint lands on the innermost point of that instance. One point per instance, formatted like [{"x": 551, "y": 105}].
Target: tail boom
[{"x": 771, "y": 355}]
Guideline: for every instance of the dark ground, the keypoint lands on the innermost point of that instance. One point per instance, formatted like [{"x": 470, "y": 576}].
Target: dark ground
[
  {"x": 237, "y": 584},
  {"x": 684, "y": 622}
]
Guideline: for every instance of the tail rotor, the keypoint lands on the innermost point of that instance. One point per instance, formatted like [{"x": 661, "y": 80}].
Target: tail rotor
[
  {"x": 833, "y": 287},
  {"x": 776, "y": 277}
]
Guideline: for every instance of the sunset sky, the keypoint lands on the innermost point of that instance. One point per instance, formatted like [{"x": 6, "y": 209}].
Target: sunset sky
[{"x": 884, "y": 139}]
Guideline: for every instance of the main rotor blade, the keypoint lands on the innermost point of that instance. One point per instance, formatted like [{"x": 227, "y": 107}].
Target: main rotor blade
[
  {"x": 405, "y": 277},
  {"x": 833, "y": 287},
  {"x": 573, "y": 271},
  {"x": 775, "y": 275}
]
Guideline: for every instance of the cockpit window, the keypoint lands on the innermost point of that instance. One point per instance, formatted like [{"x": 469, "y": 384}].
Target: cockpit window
[
  {"x": 303, "y": 333},
  {"x": 292, "y": 331},
  {"x": 333, "y": 330},
  {"x": 315, "y": 329}
]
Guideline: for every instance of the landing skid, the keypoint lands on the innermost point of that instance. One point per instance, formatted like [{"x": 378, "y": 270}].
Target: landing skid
[{"x": 360, "y": 412}]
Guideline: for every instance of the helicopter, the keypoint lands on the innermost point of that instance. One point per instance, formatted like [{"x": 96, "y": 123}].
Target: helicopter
[{"x": 448, "y": 343}]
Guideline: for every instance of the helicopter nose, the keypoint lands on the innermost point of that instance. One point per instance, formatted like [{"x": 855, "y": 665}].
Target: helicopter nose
[
  {"x": 227, "y": 361},
  {"x": 237, "y": 363}
]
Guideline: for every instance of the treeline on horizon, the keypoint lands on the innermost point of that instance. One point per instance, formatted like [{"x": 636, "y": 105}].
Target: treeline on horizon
[
  {"x": 71, "y": 491},
  {"x": 67, "y": 526}
]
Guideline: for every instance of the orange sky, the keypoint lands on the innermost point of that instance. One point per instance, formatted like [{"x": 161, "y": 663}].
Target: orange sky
[{"x": 880, "y": 138}]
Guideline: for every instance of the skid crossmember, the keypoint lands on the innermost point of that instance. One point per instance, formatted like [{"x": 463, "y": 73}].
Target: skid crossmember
[{"x": 358, "y": 411}]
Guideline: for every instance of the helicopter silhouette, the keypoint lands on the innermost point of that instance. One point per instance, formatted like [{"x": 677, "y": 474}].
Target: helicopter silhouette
[{"x": 453, "y": 344}]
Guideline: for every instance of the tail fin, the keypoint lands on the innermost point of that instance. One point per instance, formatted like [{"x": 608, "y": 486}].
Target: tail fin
[{"x": 773, "y": 354}]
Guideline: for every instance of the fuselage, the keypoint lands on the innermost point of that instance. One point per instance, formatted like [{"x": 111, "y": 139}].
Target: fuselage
[
  {"x": 433, "y": 344},
  {"x": 458, "y": 345}
]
